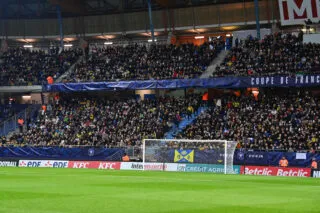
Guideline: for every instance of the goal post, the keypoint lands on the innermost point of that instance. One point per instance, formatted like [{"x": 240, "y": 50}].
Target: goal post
[{"x": 190, "y": 155}]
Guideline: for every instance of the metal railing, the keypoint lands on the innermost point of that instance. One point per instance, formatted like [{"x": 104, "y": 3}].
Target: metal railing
[{"x": 11, "y": 124}]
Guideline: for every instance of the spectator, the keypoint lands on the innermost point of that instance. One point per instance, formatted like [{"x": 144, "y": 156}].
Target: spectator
[
  {"x": 49, "y": 80},
  {"x": 125, "y": 158},
  {"x": 278, "y": 54},
  {"x": 287, "y": 121},
  {"x": 26, "y": 67},
  {"x": 314, "y": 164},
  {"x": 140, "y": 62},
  {"x": 20, "y": 123},
  {"x": 103, "y": 122}
]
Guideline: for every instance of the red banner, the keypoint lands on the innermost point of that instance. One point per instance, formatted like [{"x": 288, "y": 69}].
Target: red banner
[
  {"x": 295, "y": 12},
  {"x": 276, "y": 171},
  {"x": 94, "y": 165}
]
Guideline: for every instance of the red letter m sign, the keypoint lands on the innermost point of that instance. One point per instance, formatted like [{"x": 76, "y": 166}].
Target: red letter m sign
[{"x": 294, "y": 12}]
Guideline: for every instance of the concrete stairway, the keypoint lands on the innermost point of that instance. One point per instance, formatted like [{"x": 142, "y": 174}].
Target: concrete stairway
[
  {"x": 69, "y": 71},
  {"x": 217, "y": 61},
  {"x": 184, "y": 123}
]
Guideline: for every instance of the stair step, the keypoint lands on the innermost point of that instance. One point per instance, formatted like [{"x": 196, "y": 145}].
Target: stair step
[{"x": 184, "y": 123}]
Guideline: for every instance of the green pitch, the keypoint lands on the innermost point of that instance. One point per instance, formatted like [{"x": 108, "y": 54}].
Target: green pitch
[{"x": 41, "y": 190}]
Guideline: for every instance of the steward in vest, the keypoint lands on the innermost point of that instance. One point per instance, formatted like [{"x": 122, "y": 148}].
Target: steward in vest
[
  {"x": 283, "y": 162},
  {"x": 125, "y": 158},
  {"x": 314, "y": 164}
]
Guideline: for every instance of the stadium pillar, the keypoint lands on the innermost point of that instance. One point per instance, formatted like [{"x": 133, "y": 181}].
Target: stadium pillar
[
  {"x": 60, "y": 25},
  {"x": 256, "y": 6},
  {"x": 150, "y": 17}
]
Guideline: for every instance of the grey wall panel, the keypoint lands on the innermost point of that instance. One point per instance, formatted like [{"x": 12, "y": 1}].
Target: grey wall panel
[
  {"x": 206, "y": 15},
  {"x": 250, "y": 11},
  {"x": 183, "y": 17},
  {"x": 137, "y": 21},
  {"x": 2, "y": 28},
  {"x": 159, "y": 18},
  {"x": 32, "y": 27},
  {"x": 69, "y": 26},
  {"x": 51, "y": 27},
  {"x": 231, "y": 13},
  {"x": 15, "y": 28}
]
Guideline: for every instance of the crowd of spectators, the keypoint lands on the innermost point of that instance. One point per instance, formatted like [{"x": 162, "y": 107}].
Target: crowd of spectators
[
  {"x": 22, "y": 66},
  {"x": 276, "y": 54},
  {"x": 274, "y": 122},
  {"x": 102, "y": 122},
  {"x": 287, "y": 121},
  {"x": 141, "y": 62}
]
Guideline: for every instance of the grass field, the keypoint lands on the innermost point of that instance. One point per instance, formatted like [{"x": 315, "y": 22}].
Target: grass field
[{"x": 42, "y": 190}]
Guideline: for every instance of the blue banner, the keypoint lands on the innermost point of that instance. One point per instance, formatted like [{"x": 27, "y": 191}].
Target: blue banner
[
  {"x": 262, "y": 158},
  {"x": 59, "y": 153},
  {"x": 199, "y": 156},
  {"x": 241, "y": 157},
  {"x": 222, "y": 82},
  {"x": 251, "y": 158},
  {"x": 257, "y": 158}
]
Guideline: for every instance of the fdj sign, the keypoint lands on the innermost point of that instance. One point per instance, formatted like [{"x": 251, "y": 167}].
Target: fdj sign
[
  {"x": 316, "y": 173},
  {"x": 295, "y": 12}
]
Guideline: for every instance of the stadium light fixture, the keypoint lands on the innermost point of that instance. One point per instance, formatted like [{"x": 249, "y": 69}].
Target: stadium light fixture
[
  {"x": 28, "y": 46},
  {"x": 150, "y": 40},
  {"x": 108, "y": 43},
  {"x": 199, "y": 37},
  {"x": 68, "y": 45}
]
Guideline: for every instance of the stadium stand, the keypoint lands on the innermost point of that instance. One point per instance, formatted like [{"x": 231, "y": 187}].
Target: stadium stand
[
  {"x": 277, "y": 121},
  {"x": 21, "y": 67},
  {"x": 146, "y": 62},
  {"x": 7, "y": 111},
  {"x": 101, "y": 122},
  {"x": 277, "y": 54},
  {"x": 288, "y": 121}
]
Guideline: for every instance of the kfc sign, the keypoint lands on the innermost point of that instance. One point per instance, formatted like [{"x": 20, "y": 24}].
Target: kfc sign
[
  {"x": 275, "y": 171},
  {"x": 295, "y": 12},
  {"x": 94, "y": 165}
]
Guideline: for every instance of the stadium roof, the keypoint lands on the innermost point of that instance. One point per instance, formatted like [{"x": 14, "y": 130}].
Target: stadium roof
[{"x": 27, "y": 9}]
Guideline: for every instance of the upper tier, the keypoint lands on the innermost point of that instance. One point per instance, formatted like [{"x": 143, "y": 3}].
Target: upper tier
[
  {"x": 278, "y": 54},
  {"x": 139, "y": 62},
  {"x": 21, "y": 67}
]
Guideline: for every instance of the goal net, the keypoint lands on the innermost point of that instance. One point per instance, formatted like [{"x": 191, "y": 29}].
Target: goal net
[{"x": 214, "y": 156}]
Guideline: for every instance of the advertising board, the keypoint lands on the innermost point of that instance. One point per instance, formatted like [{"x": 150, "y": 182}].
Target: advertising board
[
  {"x": 213, "y": 168},
  {"x": 295, "y": 12},
  {"x": 94, "y": 165},
  {"x": 315, "y": 173},
  {"x": 8, "y": 163},
  {"x": 43, "y": 163},
  {"x": 276, "y": 171},
  {"x": 139, "y": 166}
]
